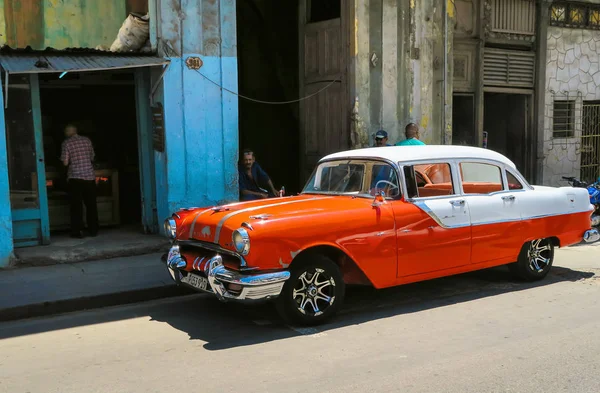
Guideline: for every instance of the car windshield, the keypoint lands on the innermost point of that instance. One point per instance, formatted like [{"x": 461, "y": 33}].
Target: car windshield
[{"x": 353, "y": 177}]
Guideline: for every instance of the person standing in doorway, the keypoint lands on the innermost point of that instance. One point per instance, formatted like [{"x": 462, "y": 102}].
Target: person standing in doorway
[
  {"x": 78, "y": 156},
  {"x": 412, "y": 136},
  {"x": 381, "y": 138}
]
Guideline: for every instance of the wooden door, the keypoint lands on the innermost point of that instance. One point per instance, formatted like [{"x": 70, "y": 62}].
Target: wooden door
[
  {"x": 323, "y": 121},
  {"x": 26, "y": 167}
]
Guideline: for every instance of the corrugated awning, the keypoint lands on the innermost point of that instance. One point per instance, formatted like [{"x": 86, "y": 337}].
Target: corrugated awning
[{"x": 38, "y": 63}]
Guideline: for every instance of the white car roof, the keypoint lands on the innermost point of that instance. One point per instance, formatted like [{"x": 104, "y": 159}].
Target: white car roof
[{"x": 420, "y": 152}]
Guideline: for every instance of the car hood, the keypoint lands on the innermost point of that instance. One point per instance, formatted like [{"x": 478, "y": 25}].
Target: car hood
[{"x": 215, "y": 225}]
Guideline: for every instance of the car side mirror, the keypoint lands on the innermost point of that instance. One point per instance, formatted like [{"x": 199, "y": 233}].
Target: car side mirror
[
  {"x": 411, "y": 182},
  {"x": 379, "y": 199}
]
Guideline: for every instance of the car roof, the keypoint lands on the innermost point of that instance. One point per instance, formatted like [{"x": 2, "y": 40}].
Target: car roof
[{"x": 420, "y": 152}]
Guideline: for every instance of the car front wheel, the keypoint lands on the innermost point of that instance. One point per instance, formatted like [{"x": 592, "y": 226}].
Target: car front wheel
[
  {"x": 535, "y": 260},
  {"x": 313, "y": 293}
]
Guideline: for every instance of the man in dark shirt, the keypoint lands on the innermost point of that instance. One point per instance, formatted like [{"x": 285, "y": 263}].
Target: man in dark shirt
[{"x": 253, "y": 178}]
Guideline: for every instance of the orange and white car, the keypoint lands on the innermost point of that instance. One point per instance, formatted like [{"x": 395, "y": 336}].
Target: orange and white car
[{"x": 381, "y": 216}]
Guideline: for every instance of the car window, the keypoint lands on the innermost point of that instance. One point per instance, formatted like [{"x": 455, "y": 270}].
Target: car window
[
  {"x": 338, "y": 177},
  {"x": 513, "y": 182},
  {"x": 433, "y": 179},
  {"x": 480, "y": 178},
  {"x": 384, "y": 179}
]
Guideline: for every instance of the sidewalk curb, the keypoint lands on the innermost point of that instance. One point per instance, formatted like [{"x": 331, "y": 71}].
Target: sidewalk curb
[{"x": 91, "y": 302}]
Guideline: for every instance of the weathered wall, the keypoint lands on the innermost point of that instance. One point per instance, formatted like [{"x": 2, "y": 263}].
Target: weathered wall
[
  {"x": 6, "y": 240},
  {"x": 397, "y": 62},
  {"x": 199, "y": 165},
  {"x": 573, "y": 73},
  {"x": 64, "y": 24}
]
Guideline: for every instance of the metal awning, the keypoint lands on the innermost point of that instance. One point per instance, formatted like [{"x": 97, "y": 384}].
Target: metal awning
[{"x": 42, "y": 63}]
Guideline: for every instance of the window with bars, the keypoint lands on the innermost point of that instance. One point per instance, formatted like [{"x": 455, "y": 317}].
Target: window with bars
[
  {"x": 576, "y": 15},
  {"x": 563, "y": 119}
]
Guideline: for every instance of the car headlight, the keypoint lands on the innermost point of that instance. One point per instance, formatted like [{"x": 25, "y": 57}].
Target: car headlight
[
  {"x": 241, "y": 241},
  {"x": 170, "y": 228}
]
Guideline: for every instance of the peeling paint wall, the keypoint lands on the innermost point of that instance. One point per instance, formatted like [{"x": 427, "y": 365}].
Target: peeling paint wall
[
  {"x": 6, "y": 235},
  {"x": 64, "y": 24},
  {"x": 398, "y": 69},
  {"x": 572, "y": 73},
  {"x": 199, "y": 165}
]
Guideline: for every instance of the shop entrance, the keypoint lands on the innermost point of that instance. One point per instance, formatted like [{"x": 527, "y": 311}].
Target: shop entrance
[
  {"x": 109, "y": 107},
  {"x": 103, "y": 108}
]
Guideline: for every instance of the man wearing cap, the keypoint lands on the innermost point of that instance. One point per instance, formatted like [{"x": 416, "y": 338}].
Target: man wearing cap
[
  {"x": 412, "y": 136},
  {"x": 384, "y": 171},
  {"x": 381, "y": 138}
]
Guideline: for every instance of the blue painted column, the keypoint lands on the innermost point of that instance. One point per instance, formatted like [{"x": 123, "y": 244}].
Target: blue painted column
[
  {"x": 6, "y": 236},
  {"x": 199, "y": 166}
]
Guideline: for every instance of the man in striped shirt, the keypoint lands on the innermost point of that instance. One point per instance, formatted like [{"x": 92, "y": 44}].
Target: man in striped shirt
[{"x": 78, "y": 156}]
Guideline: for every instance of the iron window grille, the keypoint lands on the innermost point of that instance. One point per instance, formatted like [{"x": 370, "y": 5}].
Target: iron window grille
[
  {"x": 575, "y": 15},
  {"x": 563, "y": 119}
]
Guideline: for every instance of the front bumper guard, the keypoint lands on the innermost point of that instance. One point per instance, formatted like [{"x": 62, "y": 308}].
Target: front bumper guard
[
  {"x": 592, "y": 235},
  {"x": 253, "y": 286}
]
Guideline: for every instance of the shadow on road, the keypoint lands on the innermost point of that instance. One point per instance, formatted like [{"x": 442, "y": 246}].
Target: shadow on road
[{"x": 227, "y": 325}]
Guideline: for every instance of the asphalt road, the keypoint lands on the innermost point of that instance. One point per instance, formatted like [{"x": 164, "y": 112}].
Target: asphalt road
[{"x": 479, "y": 332}]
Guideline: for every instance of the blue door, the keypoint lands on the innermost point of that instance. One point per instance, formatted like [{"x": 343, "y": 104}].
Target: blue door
[{"x": 26, "y": 169}]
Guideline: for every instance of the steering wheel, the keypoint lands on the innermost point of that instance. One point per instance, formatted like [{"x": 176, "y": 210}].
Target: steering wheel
[{"x": 391, "y": 185}]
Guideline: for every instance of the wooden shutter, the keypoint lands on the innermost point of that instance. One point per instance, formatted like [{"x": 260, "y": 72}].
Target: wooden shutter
[{"x": 508, "y": 68}]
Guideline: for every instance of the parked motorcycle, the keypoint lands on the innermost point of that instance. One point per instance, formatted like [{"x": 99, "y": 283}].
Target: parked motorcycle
[{"x": 594, "y": 192}]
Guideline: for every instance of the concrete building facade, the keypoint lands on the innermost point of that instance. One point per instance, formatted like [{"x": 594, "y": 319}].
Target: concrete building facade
[{"x": 572, "y": 92}]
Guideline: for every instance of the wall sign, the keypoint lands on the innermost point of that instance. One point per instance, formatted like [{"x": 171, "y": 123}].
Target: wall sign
[
  {"x": 193, "y": 63},
  {"x": 158, "y": 128}
]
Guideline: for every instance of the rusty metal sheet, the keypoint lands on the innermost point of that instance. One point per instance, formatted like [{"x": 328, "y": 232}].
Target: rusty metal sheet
[
  {"x": 40, "y": 63},
  {"x": 62, "y": 24}
]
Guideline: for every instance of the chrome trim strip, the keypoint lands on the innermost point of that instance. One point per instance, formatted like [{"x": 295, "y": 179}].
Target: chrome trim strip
[
  {"x": 249, "y": 209},
  {"x": 426, "y": 209},
  {"x": 497, "y": 222},
  {"x": 194, "y": 222},
  {"x": 218, "y": 249}
]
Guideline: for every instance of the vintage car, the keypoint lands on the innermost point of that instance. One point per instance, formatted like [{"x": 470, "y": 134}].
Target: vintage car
[{"x": 380, "y": 216}]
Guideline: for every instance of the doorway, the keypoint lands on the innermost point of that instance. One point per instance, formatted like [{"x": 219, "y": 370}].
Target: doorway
[
  {"x": 267, "y": 39},
  {"x": 463, "y": 120},
  {"x": 288, "y": 50},
  {"x": 508, "y": 123},
  {"x": 102, "y": 105}
]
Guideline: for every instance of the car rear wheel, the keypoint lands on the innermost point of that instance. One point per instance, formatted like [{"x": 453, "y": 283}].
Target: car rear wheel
[
  {"x": 313, "y": 293},
  {"x": 535, "y": 260}
]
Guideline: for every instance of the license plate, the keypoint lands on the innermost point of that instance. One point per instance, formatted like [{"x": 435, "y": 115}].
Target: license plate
[{"x": 198, "y": 282}]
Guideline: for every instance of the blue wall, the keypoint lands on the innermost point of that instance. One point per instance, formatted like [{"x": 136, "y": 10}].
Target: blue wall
[
  {"x": 199, "y": 166},
  {"x": 6, "y": 240}
]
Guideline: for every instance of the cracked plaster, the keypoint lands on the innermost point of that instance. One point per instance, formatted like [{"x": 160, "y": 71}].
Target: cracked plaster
[{"x": 572, "y": 72}]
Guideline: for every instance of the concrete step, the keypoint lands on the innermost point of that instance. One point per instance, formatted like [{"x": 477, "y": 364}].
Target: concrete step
[{"x": 36, "y": 291}]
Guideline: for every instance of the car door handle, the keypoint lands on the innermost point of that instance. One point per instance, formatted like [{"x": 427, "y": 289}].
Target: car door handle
[
  {"x": 508, "y": 198},
  {"x": 459, "y": 202}
]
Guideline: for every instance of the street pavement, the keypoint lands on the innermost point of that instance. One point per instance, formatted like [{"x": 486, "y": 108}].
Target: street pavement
[{"x": 478, "y": 332}]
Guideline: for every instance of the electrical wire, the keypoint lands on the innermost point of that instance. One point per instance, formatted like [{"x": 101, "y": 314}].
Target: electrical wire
[{"x": 268, "y": 102}]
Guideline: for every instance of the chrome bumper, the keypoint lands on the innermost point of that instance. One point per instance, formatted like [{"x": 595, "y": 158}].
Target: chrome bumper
[
  {"x": 252, "y": 286},
  {"x": 591, "y": 236}
]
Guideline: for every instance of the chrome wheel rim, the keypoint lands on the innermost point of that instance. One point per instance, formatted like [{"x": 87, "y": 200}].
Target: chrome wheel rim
[
  {"x": 314, "y": 292},
  {"x": 539, "y": 255}
]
